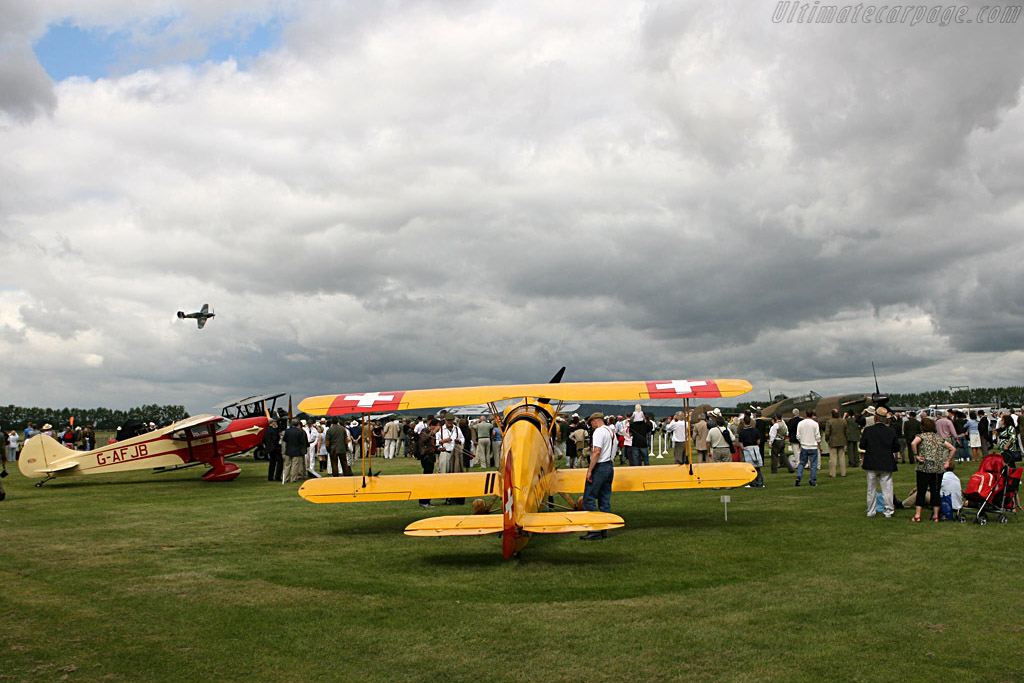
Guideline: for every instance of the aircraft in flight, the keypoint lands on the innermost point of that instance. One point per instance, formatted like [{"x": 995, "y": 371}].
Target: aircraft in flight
[
  {"x": 527, "y": 476},
  {"x": 201, "y": 440},
  {"x": 200, "y": 316}
]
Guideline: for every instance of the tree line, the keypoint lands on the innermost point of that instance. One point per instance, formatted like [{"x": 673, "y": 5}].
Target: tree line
[
  {"x": 104, "y": 419},
  {"x": 1000, "y": 396}
]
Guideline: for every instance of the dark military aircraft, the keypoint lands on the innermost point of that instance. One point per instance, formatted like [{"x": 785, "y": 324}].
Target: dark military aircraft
[
  {"x": 200, "y": 316},
  {"x": 855, "y": 403}
]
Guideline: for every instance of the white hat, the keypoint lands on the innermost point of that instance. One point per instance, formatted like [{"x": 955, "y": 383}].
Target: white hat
[
  {"x": 717, "y": 412},
  {"x": 353, "y": 423},
  {"x": 302, "y": 422}
]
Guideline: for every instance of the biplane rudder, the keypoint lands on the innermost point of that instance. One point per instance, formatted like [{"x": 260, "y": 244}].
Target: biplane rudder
[{"x": 38, "y": 453}]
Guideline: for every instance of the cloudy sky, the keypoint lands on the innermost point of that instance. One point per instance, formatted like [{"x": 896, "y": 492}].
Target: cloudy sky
[{"x": 394, "y": 195}]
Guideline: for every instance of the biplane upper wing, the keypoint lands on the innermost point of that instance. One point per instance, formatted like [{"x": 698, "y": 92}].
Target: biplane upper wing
[
  {"x": 416, "y": 399},
  {"x": 401, "y": 487},
  {"x": 663, "y": 477}
]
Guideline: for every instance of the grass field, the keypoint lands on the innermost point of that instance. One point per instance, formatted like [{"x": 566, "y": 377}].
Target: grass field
[{"x": 161, "y": 577}]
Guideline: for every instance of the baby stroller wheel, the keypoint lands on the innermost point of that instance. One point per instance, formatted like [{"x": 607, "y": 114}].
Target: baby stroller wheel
[
  {"x": 981, "y": 519},
  {"x": 1002, "y": 519}
]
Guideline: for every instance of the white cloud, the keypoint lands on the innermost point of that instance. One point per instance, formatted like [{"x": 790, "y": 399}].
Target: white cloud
[{"x": 426, "y": 194}]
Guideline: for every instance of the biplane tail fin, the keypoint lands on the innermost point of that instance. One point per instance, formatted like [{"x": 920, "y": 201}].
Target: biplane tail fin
[
  {"x": 38, "y": 455},
  {"x": 569, "y": 522},
  {"x": 456, "y": 525}
]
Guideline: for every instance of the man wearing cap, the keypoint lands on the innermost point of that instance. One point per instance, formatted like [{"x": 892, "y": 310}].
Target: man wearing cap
[
  {"x": 597, "y": 492},
  {"x": 880, "y": 444}
]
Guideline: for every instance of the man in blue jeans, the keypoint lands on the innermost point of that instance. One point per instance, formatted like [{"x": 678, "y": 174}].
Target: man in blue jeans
[
  {"x": 808, "y": 434},
  {"x": 597, "y": 492}
]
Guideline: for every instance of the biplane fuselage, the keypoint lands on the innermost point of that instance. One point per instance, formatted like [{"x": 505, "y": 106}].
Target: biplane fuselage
[
  {"x": 205, "y": 439},
  {"x": 527, "y": 478}
]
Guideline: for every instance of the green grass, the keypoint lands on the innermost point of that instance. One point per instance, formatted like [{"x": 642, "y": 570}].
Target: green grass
[{"x": 163, "y": 577}]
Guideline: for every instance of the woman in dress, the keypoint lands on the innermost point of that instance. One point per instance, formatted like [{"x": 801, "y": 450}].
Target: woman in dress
[
  {"x": 1006, "y": 434},
  {"x": 933, "y": 455}
]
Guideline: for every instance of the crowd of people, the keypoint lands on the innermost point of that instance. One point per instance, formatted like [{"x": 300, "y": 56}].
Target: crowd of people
[{"x": 875, "y": 439}]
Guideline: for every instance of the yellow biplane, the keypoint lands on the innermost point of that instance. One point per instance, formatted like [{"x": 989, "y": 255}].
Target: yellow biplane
[{"x": 527, "y": 478}]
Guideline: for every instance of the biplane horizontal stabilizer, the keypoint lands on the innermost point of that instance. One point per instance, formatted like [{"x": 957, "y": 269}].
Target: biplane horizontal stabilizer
[
  {"x": 456, "y": 525},
  {"x": 401, "y": 487},
  {"x": 569, "y": 522}
]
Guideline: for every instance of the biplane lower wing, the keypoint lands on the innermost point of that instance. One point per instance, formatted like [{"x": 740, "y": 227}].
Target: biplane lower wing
[
  {"x": 401, "y": 487},
  {"x": 663, "y": 477},
  {"x": 537, "y": 522}
]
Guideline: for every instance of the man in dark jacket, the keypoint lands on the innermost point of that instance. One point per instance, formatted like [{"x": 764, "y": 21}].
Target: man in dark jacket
[
  {"x": 852, "y": 440},
  {"x": 794, "y": 443},
  {"x": 426, "y": 451},
  {"x": 911, "y": 428},
  {"x": 880, "y": 444},
  {"x": 272, "y": 447},
  {"x": 296, "y": 443},
  {"x": 337, "y": 449}
]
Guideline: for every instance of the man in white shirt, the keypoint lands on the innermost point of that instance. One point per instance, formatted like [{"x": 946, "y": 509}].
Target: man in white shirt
[
  {"x": 951, "y": 487},
  {"x": 808, "y": 434},
  {"x": 678, "y": 430},
  {"x": 597, "y": 492},
  {"x": 447, "y": 438}
]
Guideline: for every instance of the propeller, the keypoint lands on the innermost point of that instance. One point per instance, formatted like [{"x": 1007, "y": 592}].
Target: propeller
[
  {"x": 554, "y": 380},
  {"x": 877, "y": 398}
]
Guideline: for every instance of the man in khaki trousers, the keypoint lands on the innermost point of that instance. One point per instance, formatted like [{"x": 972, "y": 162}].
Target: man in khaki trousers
[{"x": 835, "y": 435}]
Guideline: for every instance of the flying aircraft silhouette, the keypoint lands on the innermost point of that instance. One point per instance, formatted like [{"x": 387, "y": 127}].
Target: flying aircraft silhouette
[{"x": 201, "y": 316}]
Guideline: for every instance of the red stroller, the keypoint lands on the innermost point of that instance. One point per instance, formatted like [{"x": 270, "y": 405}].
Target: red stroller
[{"x": 993, "y": 488}]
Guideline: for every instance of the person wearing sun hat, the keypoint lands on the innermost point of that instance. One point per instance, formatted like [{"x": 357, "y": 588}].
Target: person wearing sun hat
[{"x": 880, "y": 445}]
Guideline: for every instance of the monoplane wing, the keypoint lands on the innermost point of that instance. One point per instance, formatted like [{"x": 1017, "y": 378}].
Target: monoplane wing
[
  {"x": 201, "y": 322},
  {"x": 416, "y": 399},
  {"x": 663, "y": 477},
  {"x": 401, "y": 487}
]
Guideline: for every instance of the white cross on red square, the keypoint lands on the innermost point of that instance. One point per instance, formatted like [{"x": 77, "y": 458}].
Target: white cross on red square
[
  {"x": 367, "y": 400},
  {"x": 676, "y": 388}
]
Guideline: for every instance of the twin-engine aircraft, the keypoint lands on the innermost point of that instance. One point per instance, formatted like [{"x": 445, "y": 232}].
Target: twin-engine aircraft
[
  {"x": 200, "y": 316},
  {"x": 204, "y": 439},
  {"x": 527, "y": 476}
]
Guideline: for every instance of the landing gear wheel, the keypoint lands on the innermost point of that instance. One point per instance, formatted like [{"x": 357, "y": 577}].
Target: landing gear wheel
[{"x": 39, "y": 485}]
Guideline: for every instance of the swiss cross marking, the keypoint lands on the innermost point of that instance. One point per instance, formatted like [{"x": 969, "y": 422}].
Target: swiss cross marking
[
  {"x": 680, "y": 386},
  {"x": 367, "y": 400}
]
